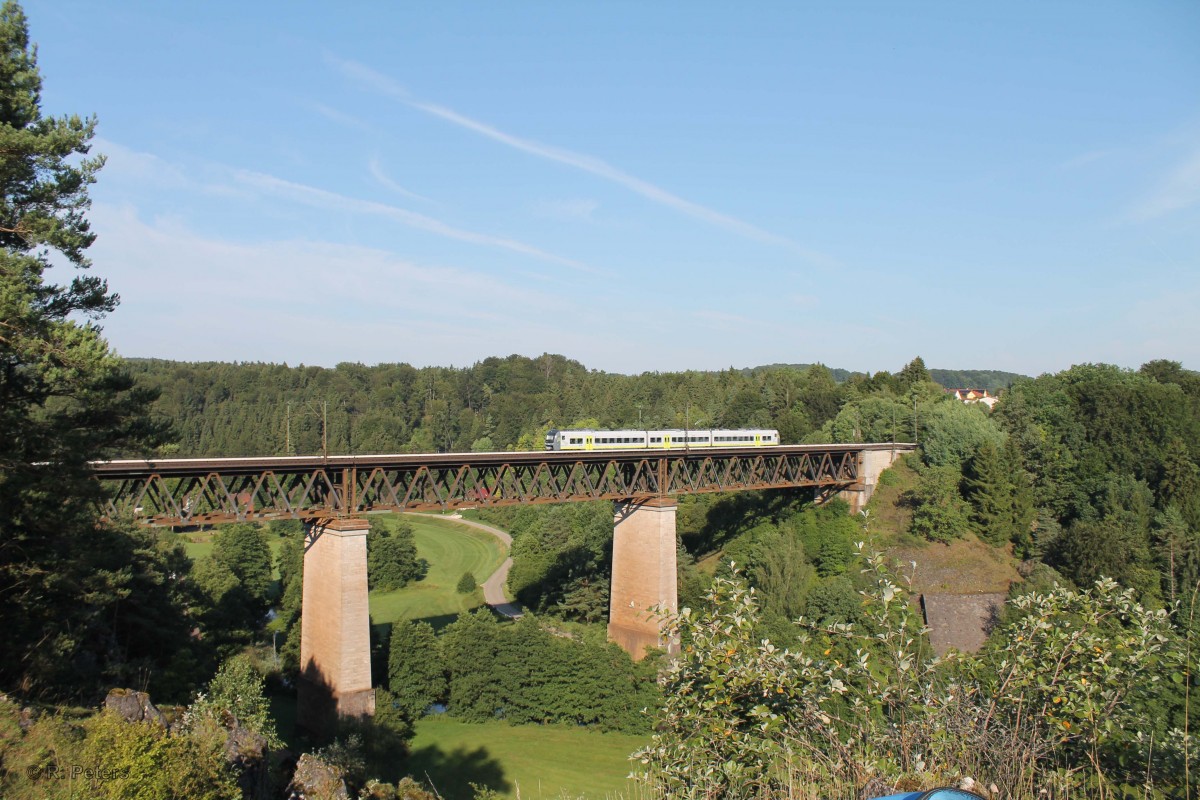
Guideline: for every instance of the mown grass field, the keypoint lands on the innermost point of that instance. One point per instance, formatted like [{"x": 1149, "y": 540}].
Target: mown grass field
[
  {"x": 538, "y": 761},
  {"x": 451, "y": 550}
]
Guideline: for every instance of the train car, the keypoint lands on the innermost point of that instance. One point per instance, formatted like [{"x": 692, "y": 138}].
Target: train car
[{"x": 659, "y": 440}]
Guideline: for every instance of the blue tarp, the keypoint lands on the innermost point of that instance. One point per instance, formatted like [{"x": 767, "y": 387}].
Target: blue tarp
[{"x": 933, "y": 794}]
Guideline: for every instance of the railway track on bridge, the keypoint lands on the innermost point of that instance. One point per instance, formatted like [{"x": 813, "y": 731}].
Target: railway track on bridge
[{"x": 178, "y": 492}]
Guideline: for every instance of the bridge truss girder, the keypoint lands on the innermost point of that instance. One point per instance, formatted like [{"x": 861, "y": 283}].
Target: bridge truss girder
[{"x": 228, "y": 490}]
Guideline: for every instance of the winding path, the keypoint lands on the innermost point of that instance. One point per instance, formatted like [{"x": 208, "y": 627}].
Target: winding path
[{"x": 493, "y": 588}]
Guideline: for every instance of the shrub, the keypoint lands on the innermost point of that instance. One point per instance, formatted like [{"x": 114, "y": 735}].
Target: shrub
[
  {"x": 236, "y": 691},
  {"x": 1068, "y": 701},
  {"x": 466, "y": 584}
]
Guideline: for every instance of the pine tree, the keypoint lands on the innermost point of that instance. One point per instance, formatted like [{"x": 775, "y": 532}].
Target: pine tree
[
  {"x": 991, "y": 495},
  {"x": 914, "y": 372},
  {"x": 64, "y": 399},
  {"x": 1001, "y": 495},
  {"x": 1024, "y": 504}
]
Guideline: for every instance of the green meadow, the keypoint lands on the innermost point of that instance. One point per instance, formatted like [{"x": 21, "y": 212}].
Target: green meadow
[
  {"x": 527, "y": 761},
  {"x": 451, "y": 549}
]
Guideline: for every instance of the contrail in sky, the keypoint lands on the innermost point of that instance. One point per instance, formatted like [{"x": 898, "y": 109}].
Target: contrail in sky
[
  {"x": 580, "y": 161},
  {"x": 326, "y": 199}
]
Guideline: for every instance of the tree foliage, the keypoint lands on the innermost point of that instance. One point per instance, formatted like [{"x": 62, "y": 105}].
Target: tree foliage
[
  {"x": 529, "y": 672},
  {"x": 562, "y": 557},
  {"x": 495, "y": 404},
  {"x": 1066, "y": 702},
  {"x": 939, "y": 511},
  {"x": 392, "y": 561},
  {"x": 236, "y": 694},
  {"x": 66, "y": 581},
  {"x": 243, "y": 550},
  {"x": 59, "y": 756},
  {"x": 952, "y": 432},
  {"x": 1001, "y": 497},
  {"x": 466, "y": 584},
  {"x": 416, "y": 676}
]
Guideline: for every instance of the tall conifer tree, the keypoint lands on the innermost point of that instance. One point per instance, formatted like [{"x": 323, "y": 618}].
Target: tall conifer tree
[{"x": 64, "y": 399}]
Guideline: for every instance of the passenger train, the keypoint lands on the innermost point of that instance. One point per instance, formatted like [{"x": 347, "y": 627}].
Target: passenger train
[{"x": 659, "y": 440}]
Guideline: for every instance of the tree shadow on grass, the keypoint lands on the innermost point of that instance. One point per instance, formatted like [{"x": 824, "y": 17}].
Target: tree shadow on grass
[
  {"x": 438, "y": 622},
  {"x": 452, "y": 773}
]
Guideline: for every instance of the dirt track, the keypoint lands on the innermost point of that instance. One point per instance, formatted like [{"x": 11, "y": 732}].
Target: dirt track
[{"x": 493, "y": 587}]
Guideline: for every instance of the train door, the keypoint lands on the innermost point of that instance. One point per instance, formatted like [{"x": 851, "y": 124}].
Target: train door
[
  {"x": 587, "y": 443},
  {"x": 666, "y": 441},
  {"x": 758, "y": 440}
]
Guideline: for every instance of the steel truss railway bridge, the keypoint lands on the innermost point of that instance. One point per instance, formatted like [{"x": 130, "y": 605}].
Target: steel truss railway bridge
[{"x": 334, "y": 495}]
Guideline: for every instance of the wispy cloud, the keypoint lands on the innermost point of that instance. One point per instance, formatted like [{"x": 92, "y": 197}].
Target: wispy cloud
[
  {"x": 341, "y": 117},
  {"x": 1090, "y": 157},
  {"x": 585, "y": 163},
  {"x": 321, "y": 198},
  {"x": 144, "y": 168},
  {"x": 1179, "y": 189},
  {"x": 147, "y": 169},
  {"x": 577, "y": 210},
  {"x": 386, "y": 181},
  {"x": 254, "y": 300}
]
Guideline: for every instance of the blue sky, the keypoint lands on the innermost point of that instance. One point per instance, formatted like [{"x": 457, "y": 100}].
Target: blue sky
[{"x": 642, "y": 186}]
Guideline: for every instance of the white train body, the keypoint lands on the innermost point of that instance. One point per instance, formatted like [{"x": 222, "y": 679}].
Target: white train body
[{"x": 659, "y": 440}]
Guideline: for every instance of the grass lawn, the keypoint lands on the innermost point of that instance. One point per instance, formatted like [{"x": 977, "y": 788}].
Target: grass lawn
[
  {"x": 451, "y": 549},
  {"x": 539, "y": 761}
]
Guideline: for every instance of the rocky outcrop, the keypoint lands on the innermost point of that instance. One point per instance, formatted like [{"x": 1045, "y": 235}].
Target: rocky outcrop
[
  {"x": 248, "y": 754},
  {"x": 134, "y": 706},
  {"x": 317, "y": 779}
]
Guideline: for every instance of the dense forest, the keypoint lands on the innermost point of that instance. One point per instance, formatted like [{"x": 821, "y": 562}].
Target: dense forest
[
  {"x": 220, "y": 409},
  {"x": 989, "y": 379}
]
